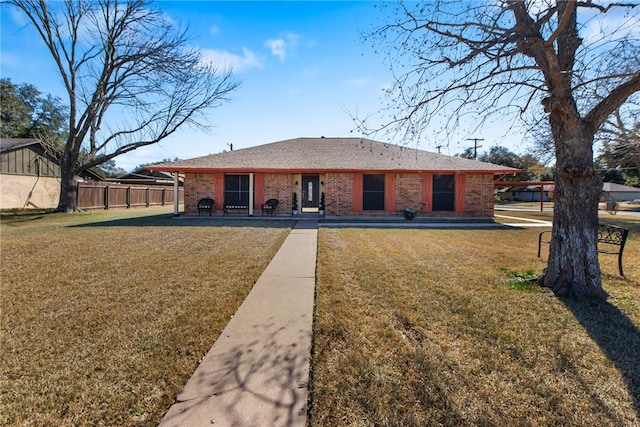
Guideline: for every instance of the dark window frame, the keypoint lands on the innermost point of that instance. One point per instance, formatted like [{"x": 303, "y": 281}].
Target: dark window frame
[
  {"x": 373, "y": 191},
  {"x": 236, "y": 188},
  {"x": 444, "y": 192}
]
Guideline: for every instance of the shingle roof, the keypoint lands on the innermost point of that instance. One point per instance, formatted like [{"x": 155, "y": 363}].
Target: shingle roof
[
  {"x": 8, "y": 144},
  {"x": 612, "y": 186},
  {"x": 330, "y": 154}
]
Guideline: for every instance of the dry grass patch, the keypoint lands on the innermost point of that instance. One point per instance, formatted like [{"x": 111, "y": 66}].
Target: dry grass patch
[
  {"x": 421, "y": 327},
  {"x": 106, "y": 315}
]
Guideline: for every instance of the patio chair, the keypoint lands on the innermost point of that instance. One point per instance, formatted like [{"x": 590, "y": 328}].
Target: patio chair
[
  {"x": 205, "y": 204},
  {"x": 270, "y": 207}
]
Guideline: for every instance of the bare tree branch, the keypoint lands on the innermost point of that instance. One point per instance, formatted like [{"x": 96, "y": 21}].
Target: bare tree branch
[
  {"x": 564, "y": 21},
  {"x": 130, "y": 77},
  {"x": 455, "y": 60},
  {"x": 596, "y": 117}
]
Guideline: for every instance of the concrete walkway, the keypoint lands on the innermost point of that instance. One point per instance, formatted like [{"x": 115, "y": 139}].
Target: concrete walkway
[{"x": 257, "y": 372}]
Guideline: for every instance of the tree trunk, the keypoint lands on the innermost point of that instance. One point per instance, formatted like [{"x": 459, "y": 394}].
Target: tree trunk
[
  {"x": 573, "y": 269},
  {"x": 68, "y": 201}
]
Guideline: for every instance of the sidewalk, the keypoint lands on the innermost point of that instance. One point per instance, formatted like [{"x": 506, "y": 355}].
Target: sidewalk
[{"x": 257, "y": 372}]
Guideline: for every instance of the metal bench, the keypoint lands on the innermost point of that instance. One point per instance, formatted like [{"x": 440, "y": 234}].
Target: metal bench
[
  {"x": 205, "y": 204},
  {"x": 235, "y": 205},
  {"x": 270, "y": 207},
  {"x": 612, "y": 237}
]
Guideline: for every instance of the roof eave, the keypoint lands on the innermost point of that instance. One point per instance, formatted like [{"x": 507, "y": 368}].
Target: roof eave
[
  {"x": 26, "y": 143},
  {"x": 200, "y": 169}
]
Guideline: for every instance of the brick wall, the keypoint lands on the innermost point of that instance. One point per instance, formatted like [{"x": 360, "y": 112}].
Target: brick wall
[
  {"x": 278, "y": 186},
  {"x": 197, "y": 186},
  {"x": 479, "y": 196},
  {"x": 338, "y": 188},
  {"x": 408, "y": 191},
  {"x": 338, "y": 194}
]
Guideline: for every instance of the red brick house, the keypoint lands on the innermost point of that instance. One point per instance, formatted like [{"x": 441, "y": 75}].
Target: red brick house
[{"x": 357, "y": 177}]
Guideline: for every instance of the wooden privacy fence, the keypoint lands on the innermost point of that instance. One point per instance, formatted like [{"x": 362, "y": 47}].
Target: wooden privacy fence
[{"x": 100, "y": 196}]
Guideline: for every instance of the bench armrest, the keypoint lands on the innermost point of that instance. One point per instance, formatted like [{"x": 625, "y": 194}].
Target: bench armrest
[{"x": 541, "y": 241}]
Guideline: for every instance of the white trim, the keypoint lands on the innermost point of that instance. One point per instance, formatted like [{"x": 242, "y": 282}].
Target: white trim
[
  {"x": 251, "y": 195},
  {"x": 176, "y": 192}
]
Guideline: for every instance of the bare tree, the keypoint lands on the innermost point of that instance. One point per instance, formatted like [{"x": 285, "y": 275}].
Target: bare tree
[
  {"x": 620, "y": 136},
  {"x": 130, "y": 77},
  {"x": 457, "y": 59}
]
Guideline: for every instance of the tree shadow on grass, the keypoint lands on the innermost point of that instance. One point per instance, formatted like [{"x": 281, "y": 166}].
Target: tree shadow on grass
[
  {"x": 260, "y": 382},
  {"x": 164, "y": 220},
  {"x": 167, "y": 220},
  {"x": 616, "y": 335}
]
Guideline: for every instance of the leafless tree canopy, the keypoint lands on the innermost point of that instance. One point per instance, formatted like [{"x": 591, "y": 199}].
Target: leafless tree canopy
[
  {"x": 557, "y": 60},
  {"x": 453, "y": 60},
  {"x": 622, "y": 133},
  {"x": 130, "y": 77}
]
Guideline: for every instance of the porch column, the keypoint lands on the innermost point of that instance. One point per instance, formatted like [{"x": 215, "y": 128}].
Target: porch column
[
  {"x": 427, "y": 192},
  {"x": 390, "y": 192},
  {"x": 176, "y": 193},
  {"x": 356, "y": 202},
  {"x": 460, "y": 192},
  {"x": 251, "y": 195}
]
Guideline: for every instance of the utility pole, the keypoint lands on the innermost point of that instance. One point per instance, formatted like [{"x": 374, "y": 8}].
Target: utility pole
[{"x": 475, "y": 146}]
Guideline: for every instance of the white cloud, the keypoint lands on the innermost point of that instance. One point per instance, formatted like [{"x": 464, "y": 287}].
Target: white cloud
[
  {"x": 281, "y": 47},
  {"x": 277, "y": 47},
  {"x": 168, "y": 19},
  {"x": 537, "y": 7},
  {"x": 214, "y": 30},
  {"x": 359, "y": 82},
  {"x": 292, "y": 39},
  {"x": 226, "y": 59},
  {"x": 611, "y": 26}
]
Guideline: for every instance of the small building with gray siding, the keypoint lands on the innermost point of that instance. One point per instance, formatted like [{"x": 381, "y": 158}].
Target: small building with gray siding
[{"x": 29, "y": 175}]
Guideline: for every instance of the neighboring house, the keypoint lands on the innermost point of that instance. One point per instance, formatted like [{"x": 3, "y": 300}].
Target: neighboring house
[
  {"x": 529, "y": 193},
  {"x": 618, "y": 192},
  {"x": 30, "y": 175},
  {"x": 357, "y": 177},
  {"x": 146, "y": 177}
]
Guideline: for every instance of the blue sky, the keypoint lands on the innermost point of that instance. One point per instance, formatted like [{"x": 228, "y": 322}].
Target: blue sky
[{"x": 304, "y": 70}]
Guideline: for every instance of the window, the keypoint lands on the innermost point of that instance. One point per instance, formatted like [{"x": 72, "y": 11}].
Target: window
[
  {"x": 444, "y": 192},
  {"x": 373, "y": 192},
  {"x": 236, "y": 189}
]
